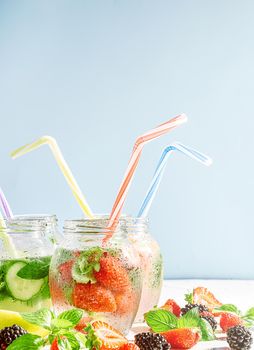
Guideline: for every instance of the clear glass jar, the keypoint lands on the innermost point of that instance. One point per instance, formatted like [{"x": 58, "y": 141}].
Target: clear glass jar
[
  {"x": 50, "y": 221},
  {"x": 25, "y": 253},
  {"x": 151, "y": 262},
  {"x": 102, "y": 279}
]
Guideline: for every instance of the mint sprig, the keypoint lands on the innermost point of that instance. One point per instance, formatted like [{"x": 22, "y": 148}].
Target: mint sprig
[
  {"x": 188, "y": 297},
  {"x": 160, "y": 320},
  {"x": 61, "y": 328},
  {"x": 86, "y": 264}
]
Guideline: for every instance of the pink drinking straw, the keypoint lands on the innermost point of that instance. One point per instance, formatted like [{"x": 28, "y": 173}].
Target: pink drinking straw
[
  {"x": 133, "y": 163},
  {"x": 6, "y": 210}
]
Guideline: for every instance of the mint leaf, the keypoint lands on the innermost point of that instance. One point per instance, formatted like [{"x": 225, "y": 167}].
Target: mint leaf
[
  {"x": 86, "y": 264},
  {"x": 28, "y": 342},
  {"x": 60, "y": 324},
  {"x": 73, "y": 316},
  {"x": 92, "y": 341},
  {"x": 250, "y": 313},
  {"x": 206, "y": 330},
  {"x": 67, "y": 341},
  {"x": 188, "y": 297},
  {"x": 229, "y": 308},
  {"x": 35, "y": 269},
  {"x": 41, "y": 318},
  {"x": 161, "y": 320},
  {"x": 190, "y": 319}
]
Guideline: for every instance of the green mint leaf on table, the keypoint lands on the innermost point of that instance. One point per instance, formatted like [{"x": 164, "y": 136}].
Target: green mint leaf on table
[
  {"x": 190, "y": 320},
  {"x": 229, "y": 308},
  {"x": 160, "y": 320},
  {"x": 73, "y": 316},
  {"x": 188, "y": 297},
  {"x": 60, "y": 324},
  {"x": 35, "y": 269},
  {"x": 41, "y": 318},
  {"x": 86, "y": 264},
  {"x": 27, "y": 342},
  {"x": 207, "y": 332}
]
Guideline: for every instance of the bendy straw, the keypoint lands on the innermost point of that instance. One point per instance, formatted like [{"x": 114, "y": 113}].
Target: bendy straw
[
  {"x": 6, "y": 210},
  {"x": 51, "y": 142},
  {"x": 155, "y": 183},
  {"x": 133, "y": 163}
]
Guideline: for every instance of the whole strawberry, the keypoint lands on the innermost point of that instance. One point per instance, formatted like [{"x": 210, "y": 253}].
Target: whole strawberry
[
  {"x": 228, "y": 320},
  {"x": 93, "y": 297},
  {"x": 112, "y": 274}
]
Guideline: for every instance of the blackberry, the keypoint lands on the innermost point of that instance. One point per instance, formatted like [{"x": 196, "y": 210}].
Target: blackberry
[
  {"x": 188, "y": 307},
  {"x": 9, "y": 334},
  {"x": 151, "y": 341},
  {"x": 239, "y": 338},
  {"x": 211, "y": 320}
]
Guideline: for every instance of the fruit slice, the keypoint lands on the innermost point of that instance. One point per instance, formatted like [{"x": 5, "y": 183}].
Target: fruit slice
[
  {"x": 182, "y": 338},
  {"x": 202, "y": 295},
  {"x": 112, "y": 274},
  {"x": 173, "y": 307},
  {"x": 93, "y": 297},
  {"x": 110, "y": 337},
  {"x": 65, "y": 271},
  {"x": 129, "y": 346},
  {"x": 8, "y": 318},
  {"x": 228, "y": 320},
  {"x": 20, "y": 288}
]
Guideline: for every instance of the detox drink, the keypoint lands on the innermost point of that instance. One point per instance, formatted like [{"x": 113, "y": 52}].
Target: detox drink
[
  {"x": 102, "y": 279},
  {"x": 24, "y": 269}
]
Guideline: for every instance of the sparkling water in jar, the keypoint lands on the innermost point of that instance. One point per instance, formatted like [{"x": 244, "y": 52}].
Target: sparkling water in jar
[
  {"x": 25, "y": 254},
  {"x": 103, "y": 279},
  {"x": 151, "y": 262}
]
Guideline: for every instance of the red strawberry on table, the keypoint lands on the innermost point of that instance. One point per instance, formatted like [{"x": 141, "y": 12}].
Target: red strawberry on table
[
  {"x": 228, "y": 320},
  {"x": 182, "y": 338},
  {"x": 93, "y": 297},
  {"x": 172, "y": 306},
  {"x": 110, "y": 337},
  {"x": 112, "y": 274}
]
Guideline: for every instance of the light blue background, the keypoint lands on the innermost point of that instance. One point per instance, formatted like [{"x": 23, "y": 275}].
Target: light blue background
[{"x": 95, "y": 75}]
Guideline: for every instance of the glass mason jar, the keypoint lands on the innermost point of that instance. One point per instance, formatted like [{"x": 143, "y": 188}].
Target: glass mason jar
[
  {"x": 151, "y": 262},
  {"x": 103, "y": 279},
  {"x": 25, "y": 253},
  {"x": 50, "y": 221}
]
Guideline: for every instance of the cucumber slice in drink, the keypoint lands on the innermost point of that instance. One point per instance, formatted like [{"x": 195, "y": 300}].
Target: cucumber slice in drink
[{"x": 20, "y": 288}]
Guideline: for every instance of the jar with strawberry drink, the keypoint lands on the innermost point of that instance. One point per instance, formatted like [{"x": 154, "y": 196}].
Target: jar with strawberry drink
[
  {"x": 103, "y": 279},
  {"x": 151, "y": 262},
  {"x": 25, "y": 254}
]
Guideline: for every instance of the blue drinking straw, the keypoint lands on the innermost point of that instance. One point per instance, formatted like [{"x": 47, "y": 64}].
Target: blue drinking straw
[{"x": 154, "y": 185}]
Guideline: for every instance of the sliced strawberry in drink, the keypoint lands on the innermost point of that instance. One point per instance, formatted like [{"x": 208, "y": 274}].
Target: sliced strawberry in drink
[
  {"x": 93, "y": 297},
  {"x": 110, "y": 337},
  {"x": 65, "y": 271},
  {"x": 182, "y": 338},
  {"x": 112, "y": 274},
  {"x": 202, "y": 295},
  {"x": 124, "y": 300}
]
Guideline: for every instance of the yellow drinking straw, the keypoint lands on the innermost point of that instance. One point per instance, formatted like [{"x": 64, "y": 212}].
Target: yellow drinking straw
[
  {"x": 51, "y": 142},
  {"x": 6, "y": 239}
]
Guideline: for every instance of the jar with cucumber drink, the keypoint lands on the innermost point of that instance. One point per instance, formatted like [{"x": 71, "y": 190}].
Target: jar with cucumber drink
[{"x": 25, "y": 254}]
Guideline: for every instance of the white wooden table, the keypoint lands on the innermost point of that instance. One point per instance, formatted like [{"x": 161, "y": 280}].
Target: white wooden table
[{"x": 240, "y": 293}]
